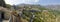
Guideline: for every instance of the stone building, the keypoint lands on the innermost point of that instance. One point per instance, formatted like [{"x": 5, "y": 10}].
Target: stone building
[
  {"x": 4, "y": 13},
  {"x": 3, "y": 10}
]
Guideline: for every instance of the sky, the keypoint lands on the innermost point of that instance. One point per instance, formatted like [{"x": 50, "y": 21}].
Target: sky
[{"x": 41, "y": 2}]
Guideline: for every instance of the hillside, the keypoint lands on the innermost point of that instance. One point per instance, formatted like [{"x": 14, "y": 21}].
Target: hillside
[{"x": 41, "y": 13}]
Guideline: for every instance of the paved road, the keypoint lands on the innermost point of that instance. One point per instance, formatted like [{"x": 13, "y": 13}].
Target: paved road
[{"x": 5, "y": 20}]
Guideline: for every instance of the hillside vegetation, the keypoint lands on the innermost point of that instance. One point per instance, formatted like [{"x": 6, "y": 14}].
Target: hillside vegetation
[{"x": 41, "y": 13}]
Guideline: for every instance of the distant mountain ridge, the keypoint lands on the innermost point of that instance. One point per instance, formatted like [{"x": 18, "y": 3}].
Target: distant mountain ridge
[
  {"x": 53, "y": 7},
  {"x": 28, "y": 4}
]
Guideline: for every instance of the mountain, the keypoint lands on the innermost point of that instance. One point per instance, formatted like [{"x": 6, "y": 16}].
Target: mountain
[
  {"x": 28, "y": 4},
  {"x": 53, "y": 7}
]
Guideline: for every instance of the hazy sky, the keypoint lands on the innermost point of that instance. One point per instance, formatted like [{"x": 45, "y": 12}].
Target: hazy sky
[{"x": 41, "y": 2}]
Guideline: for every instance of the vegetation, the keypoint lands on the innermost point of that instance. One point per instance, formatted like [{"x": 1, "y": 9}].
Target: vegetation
[
  {"x": 8, "y": 6},
  {"x": 42, "y": 14}
]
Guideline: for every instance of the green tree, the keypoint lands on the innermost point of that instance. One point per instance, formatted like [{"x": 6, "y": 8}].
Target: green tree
[{"x": 8, "y": 6}]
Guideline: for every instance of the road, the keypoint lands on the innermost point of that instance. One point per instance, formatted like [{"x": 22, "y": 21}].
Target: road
[{"x": 5, "y": 20}]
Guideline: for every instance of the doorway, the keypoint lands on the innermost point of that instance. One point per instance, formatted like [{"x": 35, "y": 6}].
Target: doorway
[{"x": 2, "y": 15}]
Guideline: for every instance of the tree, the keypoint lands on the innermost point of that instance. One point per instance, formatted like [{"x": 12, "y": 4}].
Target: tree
[
  {"x": 2, "y": 3},
  {"x": 8, "y": 6}
]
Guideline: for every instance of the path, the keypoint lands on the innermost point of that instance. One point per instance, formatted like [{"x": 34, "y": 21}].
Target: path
[{"x": 5, "y": 20}]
